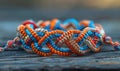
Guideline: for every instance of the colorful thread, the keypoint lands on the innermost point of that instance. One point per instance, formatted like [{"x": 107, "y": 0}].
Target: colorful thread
[{"x": 66, "y": 38}]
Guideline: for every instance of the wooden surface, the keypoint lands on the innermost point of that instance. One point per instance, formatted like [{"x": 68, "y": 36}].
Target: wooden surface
[{"x": 12, "y": 60}]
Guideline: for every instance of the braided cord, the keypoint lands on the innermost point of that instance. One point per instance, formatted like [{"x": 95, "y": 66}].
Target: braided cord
[{"x": 62, "y": 38}]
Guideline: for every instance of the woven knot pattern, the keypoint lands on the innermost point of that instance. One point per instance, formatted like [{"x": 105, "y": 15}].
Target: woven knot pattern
[{"x": 66, "y": 38}]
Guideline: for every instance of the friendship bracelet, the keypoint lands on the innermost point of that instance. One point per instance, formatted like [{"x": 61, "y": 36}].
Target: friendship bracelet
[{"x": 63, "y": 38}]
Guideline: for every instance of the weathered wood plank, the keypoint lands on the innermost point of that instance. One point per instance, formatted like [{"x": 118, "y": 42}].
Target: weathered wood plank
[{"x": 20, "y": 60}]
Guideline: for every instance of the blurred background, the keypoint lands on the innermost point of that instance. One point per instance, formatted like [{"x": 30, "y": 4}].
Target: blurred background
[{"x": 13, "y": 12}]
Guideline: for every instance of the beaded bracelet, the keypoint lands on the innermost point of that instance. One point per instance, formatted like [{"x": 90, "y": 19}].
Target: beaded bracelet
[{"x": 63, "y": 38}]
